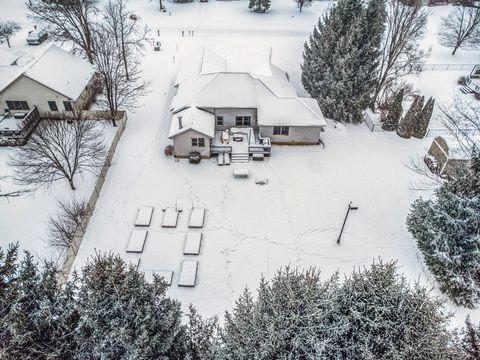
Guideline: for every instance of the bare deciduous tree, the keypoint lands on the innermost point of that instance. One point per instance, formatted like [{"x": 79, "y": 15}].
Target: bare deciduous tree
[
  {"x": 303, "y": 3},
  {"x": 66, "y": 20},
  {"x": 401, "y": 52},
  {"x": 8, "y": 29},
  {"x": 129, "y": 35},
  {"x": 462, "y": 119},
  {"x": 64, "y": 224},
  {"x": 121, "y": 88},
  {"x": 461, "y": 28},
  {"x": 58, "y": 150}
]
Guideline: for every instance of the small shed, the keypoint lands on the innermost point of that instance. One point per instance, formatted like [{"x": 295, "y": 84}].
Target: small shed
[{"x": 445, "y": 157}]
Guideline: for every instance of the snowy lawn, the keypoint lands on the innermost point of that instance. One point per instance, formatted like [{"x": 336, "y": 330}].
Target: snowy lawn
[
  {"x": 24, "y": 219},
  {"x": 251, "y": 229}
]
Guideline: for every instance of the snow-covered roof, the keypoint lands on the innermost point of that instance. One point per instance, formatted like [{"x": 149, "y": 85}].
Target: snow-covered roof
[
  {"x": 192, "y": 118},
  {"x": 61, "y": 71},
  {"x": 220, "y": 90},
  {"x": 9, "y": 74},
  {"x": 54, "y": 68},
  {"x": 202, "y": 61},
  {"x": 6, "y": 57},
  {"x": 203, "y": 82}
]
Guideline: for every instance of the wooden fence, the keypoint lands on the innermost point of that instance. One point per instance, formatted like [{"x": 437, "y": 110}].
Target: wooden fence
[{"x": 73, "y": 250}]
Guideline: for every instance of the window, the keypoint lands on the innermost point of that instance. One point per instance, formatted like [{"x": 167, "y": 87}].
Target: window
[
  {"x": 53, "y": 106},
  {"x": 243, "y": 120},
  {"x": 281, "y": 130},
  {"x": 200, "y": 142},
  {"x": 219, "y": 120},
  {"x": 17, "y": 105},
  {"x": 180, "y": 125},
  {"x": 68, "y": 105}
]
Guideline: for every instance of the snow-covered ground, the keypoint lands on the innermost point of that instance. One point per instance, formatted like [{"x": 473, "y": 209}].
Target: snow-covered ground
[
  {"x": 250, "y": 229},
  {"x": 24, "y": 219}
]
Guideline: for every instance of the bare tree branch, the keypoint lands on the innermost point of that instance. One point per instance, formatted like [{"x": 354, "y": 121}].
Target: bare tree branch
[
  {"x": 462, "y": 119},
  {"x": 66, "y": 20},
  {"x": 59, "y": 150},
  {"x": 119, "y": 73},
  {"x": 8, "y": 29},
  {"x": 401, "y": 53},
  {"x": 65, "y": 223},
  {"x": 461, "y": 28}
]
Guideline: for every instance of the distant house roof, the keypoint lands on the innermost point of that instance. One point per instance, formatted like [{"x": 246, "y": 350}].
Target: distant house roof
[
  {"x": 192, "y": 118},
  {"x": 54, "y": 68},
  {"x": 204, "y": 82}
]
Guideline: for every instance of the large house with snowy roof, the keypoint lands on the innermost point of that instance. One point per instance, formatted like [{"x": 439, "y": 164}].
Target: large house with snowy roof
[
  {"x": 218, "y": 111},
  {"x": 52, "y": 80}
]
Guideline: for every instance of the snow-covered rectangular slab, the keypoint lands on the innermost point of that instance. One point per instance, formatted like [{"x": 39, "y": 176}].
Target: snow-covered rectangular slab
[
  {"x": 137, "y": 241},
  {"x": 144, "y": 216},
  {"x": 240, "y": 172},
  {"x": 134, "y": 261},
  {"x": 170, "y": 217},
  {"x": 220, "y": 161},
  {"x": 188, "y": 274},
  {"x": 192, "y": 244},
  {"x": 226, "y": 158},
  {"x": 166, "y": 275},
  {"x": 197, "y": 218}
]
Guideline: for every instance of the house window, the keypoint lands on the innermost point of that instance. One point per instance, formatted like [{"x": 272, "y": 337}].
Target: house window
[
  {"x": 53, "y": 106},
  {"x": 243, "y": 120},
  {"x": 17, "y": 105},
  {"x": 281, "y": 130},
  {"x": 68, "y": 105},
  {"x": 219, "y": 120},
  {"x": 180, "y": 125},
  {"x": 199, "y": 142}
]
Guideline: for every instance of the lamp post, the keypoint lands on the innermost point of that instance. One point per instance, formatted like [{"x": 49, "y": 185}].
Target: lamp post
[{"x": 350, "y": 207}]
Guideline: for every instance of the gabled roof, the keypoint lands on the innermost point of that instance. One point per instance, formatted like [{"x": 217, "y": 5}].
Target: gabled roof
[
  {"x": 203, "y": 82},
  {"x": 61, "y": 71},
  {"x": 54, "y": 68},
  {"x": 192, "y": 118}
]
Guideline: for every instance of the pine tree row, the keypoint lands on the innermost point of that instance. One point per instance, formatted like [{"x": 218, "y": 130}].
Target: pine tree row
[{"x": 109, "y": 311}]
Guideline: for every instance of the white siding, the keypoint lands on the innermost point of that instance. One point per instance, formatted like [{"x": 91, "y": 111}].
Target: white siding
[
  {"x": 26, "y": 89},
  {"x": 230, "y": 114},
  {"x": 297, "y": 134},
  {"x": 183, "y": 144}
]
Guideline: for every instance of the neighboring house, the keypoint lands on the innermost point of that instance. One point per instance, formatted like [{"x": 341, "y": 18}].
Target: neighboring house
[
  {"x": 217, "y": 111},
  {"x": 53, "y": 80}
]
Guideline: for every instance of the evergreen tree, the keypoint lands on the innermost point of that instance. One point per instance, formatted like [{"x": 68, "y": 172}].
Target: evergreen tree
[
  {"x": 374, "y": 314},
  {"x": 407, "y": 124},
  {"x": 259, "y": 6},
  {"x": 124, "y": 316},
  {"x": 394, "y": 113},
  {"x": 447, "y": 230},
  {"x": 38, "y": 315},
  {"x": 423, "y": 119},
  {"x": 471, "y": 340},
  {"x": 466, "y": 183},
  {"x": 340, "y": 58}
]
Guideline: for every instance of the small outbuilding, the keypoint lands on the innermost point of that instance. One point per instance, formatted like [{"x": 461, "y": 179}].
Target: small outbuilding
[{"x": 445, "y": 157}]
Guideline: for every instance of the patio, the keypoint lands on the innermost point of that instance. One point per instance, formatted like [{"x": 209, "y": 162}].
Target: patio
[{"x": 240, "y": 141}]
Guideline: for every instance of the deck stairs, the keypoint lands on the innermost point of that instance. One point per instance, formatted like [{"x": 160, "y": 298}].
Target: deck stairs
[{"x": 240, "y": 157}]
